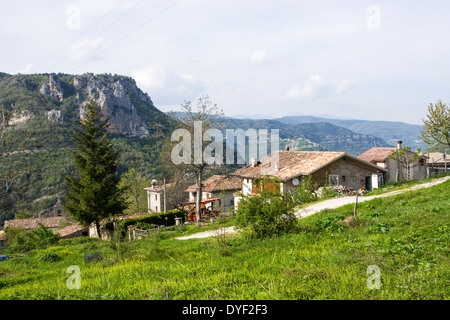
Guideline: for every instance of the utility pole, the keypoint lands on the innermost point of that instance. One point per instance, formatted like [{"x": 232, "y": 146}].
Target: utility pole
[
  {"x": 165, "y": 204},
  {"x": 445, "y": 160}
]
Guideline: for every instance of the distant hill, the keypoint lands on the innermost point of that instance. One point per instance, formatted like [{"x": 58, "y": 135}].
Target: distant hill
[
  {"x": 389, "y": 131},
  {"x": 320, "y": 136},
  {"x": 43, "y": 110}
]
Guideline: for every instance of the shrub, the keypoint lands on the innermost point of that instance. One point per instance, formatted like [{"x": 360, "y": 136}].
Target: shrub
[
  {"x": 266, "y": 215},
  {"x": 50, "y": 257},
  {"x": 92, "y": 257},
  {"x": 146, "y": 222},
  {"x": 37, "y": 238}
]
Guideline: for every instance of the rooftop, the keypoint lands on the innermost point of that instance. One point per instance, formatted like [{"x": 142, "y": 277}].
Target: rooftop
[
  {"x": 377, "y": 154},
  {"x": 218, "y": 183},
  {"x": 294, "y": 163},
  {"x": 28, "y": 224}
]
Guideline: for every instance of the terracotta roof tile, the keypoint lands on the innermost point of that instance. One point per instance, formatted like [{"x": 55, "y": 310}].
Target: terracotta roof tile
[
  {"x": 28, "y": 224},
  {"x": 291, "y": 164},
  {"x": 376, "y": 154},
  {"x": 218, "y": 183},
  {"x": 158, "y": 188},
  {"x": 67, "y": 231}
]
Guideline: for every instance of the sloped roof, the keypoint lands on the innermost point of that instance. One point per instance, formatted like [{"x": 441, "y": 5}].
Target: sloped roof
[
  {"x": 377, "y": 154},
  {"x": 294, "y": 163},
  {"x": 28, "y": 224},
  {"x": 437, "y": 157},
  {"x": 73, "y": 228},
  {"x": 218, "y": 183},
  {"x": 158, "y": 188}
]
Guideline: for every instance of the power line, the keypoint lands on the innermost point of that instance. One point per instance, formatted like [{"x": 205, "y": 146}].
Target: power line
[
  {"x": 128, "y": 34},
  {"x": 103, "y": 30},
  {"x": 79, "y": 35}
]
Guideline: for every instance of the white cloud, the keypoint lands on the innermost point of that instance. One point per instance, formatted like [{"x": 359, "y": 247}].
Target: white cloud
[
  {"x": 165, "y": 86},
  {"x": 258, "y": 56},
  {"x": 343, "y": 86},
  {"x": 314, "y": 87},
  {"x": 26, "y": 69},
  {"x": 82, "y": 48}
]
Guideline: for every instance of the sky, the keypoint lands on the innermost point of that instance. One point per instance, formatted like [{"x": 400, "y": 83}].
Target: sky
[{"x": 374, "y": 60}]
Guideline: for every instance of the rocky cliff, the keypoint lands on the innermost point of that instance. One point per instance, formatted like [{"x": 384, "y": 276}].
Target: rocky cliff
[{"x": 114, "y": 95}]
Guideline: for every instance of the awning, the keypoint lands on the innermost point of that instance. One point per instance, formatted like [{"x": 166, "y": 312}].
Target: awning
[{"x": 205, "y": 200}]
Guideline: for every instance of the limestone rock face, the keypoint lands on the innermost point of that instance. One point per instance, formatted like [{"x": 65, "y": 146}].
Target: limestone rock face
[
  {"x": 55, "y": 116},
  {"x": 113, "y": 97},
  {"x": 52, "y": 88}
]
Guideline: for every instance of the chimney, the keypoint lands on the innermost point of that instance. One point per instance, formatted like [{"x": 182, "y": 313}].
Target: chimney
[
  {"x": 154, "y": 182},
  {"x": 399, "y": 145},
  {"x": 286, "y": 148},
  {"x": 253, "y": 162}
]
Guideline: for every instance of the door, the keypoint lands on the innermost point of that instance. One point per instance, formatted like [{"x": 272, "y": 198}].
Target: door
[{"x": 368, "y": 183}]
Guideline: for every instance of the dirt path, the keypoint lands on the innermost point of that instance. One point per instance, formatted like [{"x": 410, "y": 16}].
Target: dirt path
[
  {"x": 327, "y": 204},
  {"x": 206, "y": 234},
  {"x": 339, "y": 202}
]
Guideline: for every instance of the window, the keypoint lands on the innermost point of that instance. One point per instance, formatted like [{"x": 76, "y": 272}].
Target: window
[
  {"x": 156, "y": 208},
  {"x": 333, "y": 180},
  {"x": 156, "y": 197},
  {"x": 58, "y": 213},
  {"x": 343, "y": 178}
]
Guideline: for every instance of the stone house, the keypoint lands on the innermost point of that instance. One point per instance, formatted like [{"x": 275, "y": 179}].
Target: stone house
[
  {"x": 294, "y": 167},
  {"x": 52, "y": 223},
  {"x": 437, "y": 162},
  {"x": 395, "y": 171},
  {"x": 217, "y": 187},
  {"x": 155, "y": 197}
]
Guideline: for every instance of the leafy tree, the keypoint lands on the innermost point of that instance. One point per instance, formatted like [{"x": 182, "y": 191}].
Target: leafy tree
[
  {"x": 436, "y": 128},
  {"x": 95, "y": 194},
  {"x": 135, "y": 184}
]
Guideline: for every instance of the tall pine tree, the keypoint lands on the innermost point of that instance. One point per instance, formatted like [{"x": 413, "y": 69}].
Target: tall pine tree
[{"x": 94, "y": 194}]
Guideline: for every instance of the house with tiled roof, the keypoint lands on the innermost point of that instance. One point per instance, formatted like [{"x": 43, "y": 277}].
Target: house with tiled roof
[
  {"x": 51, "y": 223},
  {"x": 217, "y": 187},
  {"x": 155, "y": 197},
  {"x": 437, "y": 162},
  {"x": 395, "y": 171},
  {"x": 284, "y": 170}
]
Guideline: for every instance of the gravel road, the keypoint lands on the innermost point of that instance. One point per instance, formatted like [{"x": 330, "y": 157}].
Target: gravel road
[
  {"x": 327, "y": 204},
  {"x": 339, "y": 202}
]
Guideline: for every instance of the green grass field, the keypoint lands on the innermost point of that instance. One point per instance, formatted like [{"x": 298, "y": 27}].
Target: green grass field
[{"x": 404, "y": 238}]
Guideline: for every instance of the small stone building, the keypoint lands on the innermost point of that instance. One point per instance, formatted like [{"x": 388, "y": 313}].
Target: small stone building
[
  {"x": 292, "y": 168},
  {"x": 395, "y": 171},
  {"x": 217, "y": 187}
]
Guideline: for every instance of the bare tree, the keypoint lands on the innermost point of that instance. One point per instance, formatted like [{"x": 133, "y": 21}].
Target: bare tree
[{"x": 197, "y": 122}]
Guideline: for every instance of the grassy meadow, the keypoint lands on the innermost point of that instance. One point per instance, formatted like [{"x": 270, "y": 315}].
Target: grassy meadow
[{"x": 405, "y": 236}]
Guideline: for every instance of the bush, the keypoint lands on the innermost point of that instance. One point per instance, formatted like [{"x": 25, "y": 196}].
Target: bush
[
  {"x": 37, "y": 238},
  {"x": 50, "y": 257},
  {"x": 146, "y": 222},
  {"x": 92, "y": 257},
  {"x": 266, "y": 215}
]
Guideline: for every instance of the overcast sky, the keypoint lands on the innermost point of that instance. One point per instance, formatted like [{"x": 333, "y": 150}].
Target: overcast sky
[{"x": 379, "y": 60}]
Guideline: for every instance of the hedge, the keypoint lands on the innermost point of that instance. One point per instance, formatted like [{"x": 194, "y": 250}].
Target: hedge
[{"x": 155, "y": 219}]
